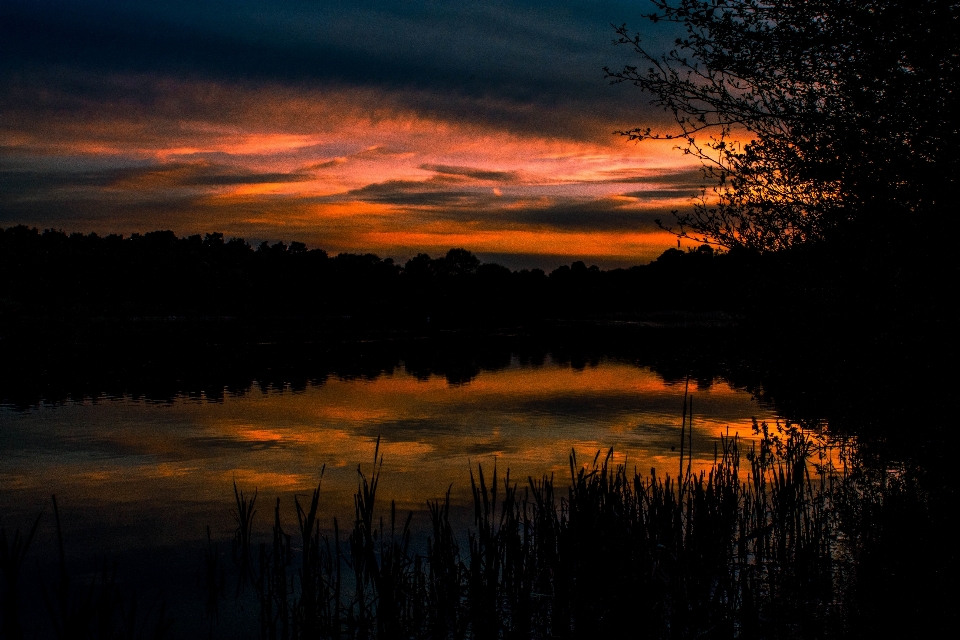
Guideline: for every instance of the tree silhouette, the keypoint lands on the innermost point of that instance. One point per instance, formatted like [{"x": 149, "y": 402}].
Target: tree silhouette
[
  {"x": 420, "y": 267},
  {"x": 460, "y": 262},
  {"x": 815, "y": 119}
]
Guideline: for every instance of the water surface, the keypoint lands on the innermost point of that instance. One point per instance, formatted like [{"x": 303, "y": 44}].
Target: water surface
[
  {"x": 135, "y": 476},
  {"x": 183, "y": 455}
]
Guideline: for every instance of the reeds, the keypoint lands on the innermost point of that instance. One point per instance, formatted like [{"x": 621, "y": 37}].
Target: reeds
[
  {"x": 765, "y": 543},
  {"x": 95, "y": 608},
  {"x": 733, "y": 551},
  {"x": 13, "y": 554}
]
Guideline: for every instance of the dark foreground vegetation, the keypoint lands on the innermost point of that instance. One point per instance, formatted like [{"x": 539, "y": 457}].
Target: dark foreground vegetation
[
  {"x": 791, "y": 539},
  {"x": 75, "y": 604},
  {"x": 768, "y": 551}
]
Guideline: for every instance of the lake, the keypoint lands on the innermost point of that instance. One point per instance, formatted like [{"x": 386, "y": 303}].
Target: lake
[{"x": 138, "y": 478}]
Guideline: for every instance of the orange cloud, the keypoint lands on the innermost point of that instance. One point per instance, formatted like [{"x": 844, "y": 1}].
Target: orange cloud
[{"x": 346, "y": 170}]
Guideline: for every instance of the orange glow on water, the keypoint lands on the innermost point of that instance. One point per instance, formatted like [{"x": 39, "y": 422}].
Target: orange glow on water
[{"x": 133, "y": 460}]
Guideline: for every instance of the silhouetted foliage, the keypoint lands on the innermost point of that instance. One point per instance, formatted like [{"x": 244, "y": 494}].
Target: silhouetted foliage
[
  {"x": 77, "y": 604},
  {"x": 159, "y": 275},
  {"x": 796, "y": 536},
  {"x": 778, "y": 543},
  {"x": 845, "y": 111}
]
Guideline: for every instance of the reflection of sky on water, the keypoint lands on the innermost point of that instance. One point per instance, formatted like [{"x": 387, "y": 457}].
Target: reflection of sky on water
[{"x": 172, "y": 465}]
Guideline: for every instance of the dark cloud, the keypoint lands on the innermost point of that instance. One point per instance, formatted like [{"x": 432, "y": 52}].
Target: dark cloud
[
  {"x": 488, "y": 210},
  {"x": 83, "y": 213},
  {"x": 336, "y": 162},
  {"x": 482, "y": 207},
  {"x": 663, "y": 194},
  {"x": 220, "y": 179},
  {"x": 522, "y": 65},
  {"x": 591, "y": 215},
  {"x": 27, "y": 183},
  {"x": 17, "y": 184},
  {"x": 203, "y": 175},
  {"x": 372, "y": 152},
  {"x": 685, "y": 177},
  {"x": 476, "y": 174},
  {"x": 560, "y": 213},
  {"x": 405, "y": 192},
  {"x": 227, "y": 158}
]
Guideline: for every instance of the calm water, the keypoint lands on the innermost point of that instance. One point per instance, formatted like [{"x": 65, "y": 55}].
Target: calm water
[
  {"x": 187, "y": 452},
  {"x": 136, "y": 477}
]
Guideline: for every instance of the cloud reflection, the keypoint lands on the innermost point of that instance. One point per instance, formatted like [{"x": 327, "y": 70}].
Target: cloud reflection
[{"x": 525, "y": 418}]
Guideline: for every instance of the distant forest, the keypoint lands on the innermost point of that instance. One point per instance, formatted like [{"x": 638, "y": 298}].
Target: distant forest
[
  {"x": 55, "y": 275},
  {"x": 161, "y": 274}
]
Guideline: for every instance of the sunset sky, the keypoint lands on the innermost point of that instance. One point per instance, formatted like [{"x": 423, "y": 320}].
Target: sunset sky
[{"x": 370, "y": 126}]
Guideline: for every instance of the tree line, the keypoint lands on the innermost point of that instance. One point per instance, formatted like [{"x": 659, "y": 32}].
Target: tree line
[
  {"x": 161, "y": 274},
  {"x": 59, "y": 276}
]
